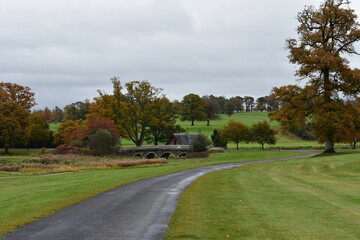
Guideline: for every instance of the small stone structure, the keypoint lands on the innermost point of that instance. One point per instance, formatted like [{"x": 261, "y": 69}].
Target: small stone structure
[{"x": 158, "y": 151}]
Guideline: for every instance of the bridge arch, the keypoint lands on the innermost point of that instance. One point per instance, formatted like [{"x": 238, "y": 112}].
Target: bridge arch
[
  {"x": 138, "y": 155},
  {"x": 167, "y": 155},
  {"x": 150, "y": 155},
  {"x": 182, "y": 155}
]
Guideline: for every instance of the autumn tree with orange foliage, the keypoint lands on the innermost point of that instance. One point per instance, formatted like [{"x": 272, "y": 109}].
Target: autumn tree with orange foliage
[
  {"x": 70, "y": 131},
  {"x": 325, "y": 35},
  {"x": 351, "y": 133},
  {"x": 94, "y": 124},
  {"x": 15, "y": 103}
]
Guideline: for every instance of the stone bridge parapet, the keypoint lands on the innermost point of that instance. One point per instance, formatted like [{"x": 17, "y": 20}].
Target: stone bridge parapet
[{"x": 157, "y": 151}]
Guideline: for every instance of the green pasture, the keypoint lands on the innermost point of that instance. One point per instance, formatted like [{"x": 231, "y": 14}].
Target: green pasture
[
  {"x": 27, "y": 198},
  {"x": 54, "y": 126},
  {"x": 247, "y": 118},
  {"x": 310, "y": 198}
]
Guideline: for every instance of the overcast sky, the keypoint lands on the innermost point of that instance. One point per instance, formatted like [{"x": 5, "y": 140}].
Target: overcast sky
[{"x": 66, "y": 50}]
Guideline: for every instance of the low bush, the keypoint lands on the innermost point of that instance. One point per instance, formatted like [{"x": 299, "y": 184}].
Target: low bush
[
  {"x": 68, "y": 149},
  {"x": 48, "y": 159},
  {"x": 102, "y": 142},
  {"x": 201, "y": 143},
  {"x": 57, "y": 164},
  {"x": 10, "y": 168}
]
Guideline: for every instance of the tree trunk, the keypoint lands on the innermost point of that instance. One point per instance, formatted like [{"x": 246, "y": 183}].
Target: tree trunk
[
  {"x": 192, "y": 122},
  {"x": 329, "y": 145},
  {"x": 237, "y": 146},
  {"x": 262, "y": 146},
  {"x": 208, "y": 122}
]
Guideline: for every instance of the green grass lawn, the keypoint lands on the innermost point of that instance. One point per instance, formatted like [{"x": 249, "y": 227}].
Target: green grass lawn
[
  {"x": 24, "y": 199},
  {"x": 312, "y": 198},
  {"x": 54, "y": 126}
]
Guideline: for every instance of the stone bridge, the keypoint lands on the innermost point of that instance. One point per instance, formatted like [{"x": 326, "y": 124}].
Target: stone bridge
[{"x": 158, "y": 151}]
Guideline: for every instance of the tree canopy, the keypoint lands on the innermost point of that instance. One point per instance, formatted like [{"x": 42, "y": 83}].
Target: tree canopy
[
  {"x": 39, "y": 133},
  {"x": 235, "y": 132},
  {"x": 192, "y": 108},
  {"x": 163, "y": 123},
  {"x": 211, "y": 109},
  {"x": 262, "y": 133},
  {"x": 140, "y": 113}
]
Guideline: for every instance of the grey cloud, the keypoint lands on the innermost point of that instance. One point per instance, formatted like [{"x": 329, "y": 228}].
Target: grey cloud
[{"x": 66, "y": 50}]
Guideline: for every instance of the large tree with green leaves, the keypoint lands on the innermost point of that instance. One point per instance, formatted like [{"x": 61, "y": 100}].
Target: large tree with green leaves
[
  {"x": 192, "y": 108},
  {"x": 229, "y": 107},
  {"x": 77, "y": 110},
  {"x": 235, "y": 132},
  {"x": 262, "y": 133},
  {"x": 138, "y": 113},
  {"x": 39, "y": 133},
  {"x": 325, "y": 35},
  {"x": 211, "y": 109},
  {"x": 249, "y": 103},
  {"x": 163, "y": 123},
  {"x": 140, "y": 99}
]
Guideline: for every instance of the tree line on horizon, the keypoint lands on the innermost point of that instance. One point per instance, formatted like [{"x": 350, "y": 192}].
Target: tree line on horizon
[
  {"x": 212, "y": 106},
  {"x": 140, "y": 114}
]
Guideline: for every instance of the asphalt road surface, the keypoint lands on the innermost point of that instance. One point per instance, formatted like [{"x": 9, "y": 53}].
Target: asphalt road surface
[{"x": 136, "y": 211}]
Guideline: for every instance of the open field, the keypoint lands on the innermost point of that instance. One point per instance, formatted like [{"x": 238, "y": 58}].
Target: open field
[
  {"x": 312, "y": 198},
  {"x": 247, "y": 118},
  {"x": 24, "y": 199},
  {"x": 54, "y": 127}
]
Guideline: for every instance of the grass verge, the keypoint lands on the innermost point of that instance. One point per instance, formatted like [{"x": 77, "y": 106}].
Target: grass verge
[
  {"x": 24, "y": 199},
  {"x": 312, "y": 198}
]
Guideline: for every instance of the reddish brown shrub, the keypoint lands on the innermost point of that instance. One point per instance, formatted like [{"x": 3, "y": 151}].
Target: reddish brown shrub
[
  {"x": 67, "y": 149},
  {"x": 10, "y": 168},
  {"x": 94, "y": 124}
]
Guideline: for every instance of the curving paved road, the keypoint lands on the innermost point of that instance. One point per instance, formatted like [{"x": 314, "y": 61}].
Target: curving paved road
[{"x": 136, "y": 211}]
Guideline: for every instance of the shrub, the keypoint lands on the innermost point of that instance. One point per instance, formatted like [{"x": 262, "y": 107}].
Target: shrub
[
  {"x": 43, "y": 150},
  {"x": 102, "y": 142},
  {"x": 10, "y": 168},
  {"x": 66, "y": 149},
  {"x": 53, "y": 165},
  {"x": 217, "y": 140},
  {"x": 201, "y": 143}
]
